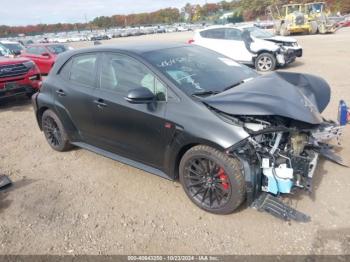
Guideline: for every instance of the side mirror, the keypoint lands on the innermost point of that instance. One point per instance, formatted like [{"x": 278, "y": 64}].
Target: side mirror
[
  {"x": 46, "y": 54},
  {"x": 140, "y": 95}
]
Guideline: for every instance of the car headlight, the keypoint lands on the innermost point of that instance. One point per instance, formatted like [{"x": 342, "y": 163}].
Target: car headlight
[{"x": 29, "y": 64}]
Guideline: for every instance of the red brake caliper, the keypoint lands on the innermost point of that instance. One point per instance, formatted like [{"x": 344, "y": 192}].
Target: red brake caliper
[{"x": 224, "y": 179}]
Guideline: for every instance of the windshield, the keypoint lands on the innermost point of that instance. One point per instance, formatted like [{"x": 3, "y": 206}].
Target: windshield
[
  {"x": 293, "y": 8},
  {"x": 315, "y": 8},
  {"x": 198, "y": 70},
  {"x": 4, "y": 51},
  {"x": 57, "y": 49},
  {"x": 258, "y": 33},
  {"x": 14, "y": 47}
]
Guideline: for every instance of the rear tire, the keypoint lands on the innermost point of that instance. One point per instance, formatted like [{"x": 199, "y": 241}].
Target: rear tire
[
  {"x": 54, "y": 131},
  {"x": 265, "y": 62},
  {"x": 322, "y": 29},
  {"x": 212, "y": 180}
]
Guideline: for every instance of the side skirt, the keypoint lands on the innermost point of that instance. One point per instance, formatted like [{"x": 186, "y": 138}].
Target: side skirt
[{"x": 123, "y": 160}]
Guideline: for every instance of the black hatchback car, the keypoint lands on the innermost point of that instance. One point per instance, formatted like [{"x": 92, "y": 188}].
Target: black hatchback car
[{"x": 188, "y": 113}]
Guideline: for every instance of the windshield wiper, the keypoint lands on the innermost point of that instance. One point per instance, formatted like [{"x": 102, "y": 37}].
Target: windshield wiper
[
  {"x": 234, "y": 85},
  {"x": 205, "y": 93}
]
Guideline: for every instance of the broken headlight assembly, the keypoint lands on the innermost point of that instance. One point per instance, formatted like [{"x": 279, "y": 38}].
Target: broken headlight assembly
[{"x": 284, "y": 157}]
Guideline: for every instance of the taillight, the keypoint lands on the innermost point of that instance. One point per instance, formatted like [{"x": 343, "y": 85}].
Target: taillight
[{"x": 190, "y": 41}]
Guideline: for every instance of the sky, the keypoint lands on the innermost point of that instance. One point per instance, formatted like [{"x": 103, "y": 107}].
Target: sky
[{"x": 26, "y": 12}]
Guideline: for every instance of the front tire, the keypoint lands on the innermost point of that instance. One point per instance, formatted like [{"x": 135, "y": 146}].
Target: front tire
[
  {"x": 54, "y": 131},
  {"x": 212, "y": 180},
  {"x": 265, "y": 62}
]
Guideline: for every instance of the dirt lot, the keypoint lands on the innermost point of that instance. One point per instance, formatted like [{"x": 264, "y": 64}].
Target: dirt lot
[{"x": 82, "y": 203}]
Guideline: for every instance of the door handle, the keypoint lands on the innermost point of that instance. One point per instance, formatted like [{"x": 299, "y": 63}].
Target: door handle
[
  {"x": 100, "y": 103},
  {"x": 61, "y": 92}
]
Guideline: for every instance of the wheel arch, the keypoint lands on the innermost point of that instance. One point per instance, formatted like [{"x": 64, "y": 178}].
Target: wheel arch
[
  {"x": 66, "y": 122},
  {"x": 174, "y": 170},
  {"x": 39, "y": 115},
  {"x": 264, "y": 51}
]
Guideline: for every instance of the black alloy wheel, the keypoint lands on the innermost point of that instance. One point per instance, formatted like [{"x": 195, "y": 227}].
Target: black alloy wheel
[
  {"x": 213, "y": 180},
  {"x": 207, "y": 182},
  {"x": 54, "y": 131}
]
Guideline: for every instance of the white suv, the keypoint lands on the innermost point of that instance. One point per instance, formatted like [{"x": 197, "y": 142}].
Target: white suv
[{"x": 249, "y": 45}]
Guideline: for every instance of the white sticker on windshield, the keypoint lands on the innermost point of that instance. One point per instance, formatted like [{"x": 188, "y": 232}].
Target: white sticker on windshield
[{"x": 229, "y": 61}]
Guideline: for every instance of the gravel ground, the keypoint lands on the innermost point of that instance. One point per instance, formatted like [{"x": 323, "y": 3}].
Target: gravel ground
[{"x": 82, "y": 203}]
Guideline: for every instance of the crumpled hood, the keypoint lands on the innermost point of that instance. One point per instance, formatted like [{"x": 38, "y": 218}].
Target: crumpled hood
[
  {"x": 297, "y": 96},
  {"x": 282, "y": 39}
]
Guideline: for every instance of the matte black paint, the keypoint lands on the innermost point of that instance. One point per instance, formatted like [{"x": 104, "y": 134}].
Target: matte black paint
[
  {"x": 153, "y": 136},
  {"x": 134, "y": 131}
]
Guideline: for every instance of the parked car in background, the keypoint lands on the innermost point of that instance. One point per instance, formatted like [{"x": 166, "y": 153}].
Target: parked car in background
[
  {"x": 44, "y": 55},
  {"x": 187, "y": 113},
  {"x": 16, "y": 48},
  {"x": 18, "y": 76},
  {"x": 345, "y": 22},
  {"x": 99, "y": 37},
  {"x": 267, "y": 24},
  {"x": 287, "y": 43},
  {"x": 249, "y": 45},
  {"x": 26, "y": 42},
  {"x": 4, "y": 51}
]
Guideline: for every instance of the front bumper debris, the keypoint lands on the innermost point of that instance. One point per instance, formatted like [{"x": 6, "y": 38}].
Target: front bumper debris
[
  {"x": 5, "y": 182},
  {"x": 274, "y": 206},
  {"x": 286, "y": 57}
]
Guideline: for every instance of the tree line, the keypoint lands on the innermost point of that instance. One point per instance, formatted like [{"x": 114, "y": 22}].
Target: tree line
[{"x": 242, "y": 10}]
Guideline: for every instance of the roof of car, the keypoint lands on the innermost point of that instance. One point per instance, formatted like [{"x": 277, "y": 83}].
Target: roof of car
[
  {"x": 137, "y": 49},
  {"x": 238, "y": 26},
  {"x": 44, "y": 44},
  {"x": 133, "y": 48}
]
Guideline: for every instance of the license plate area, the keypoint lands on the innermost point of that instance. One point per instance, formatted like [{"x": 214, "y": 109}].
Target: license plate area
[{"x": 10, "y": 86}]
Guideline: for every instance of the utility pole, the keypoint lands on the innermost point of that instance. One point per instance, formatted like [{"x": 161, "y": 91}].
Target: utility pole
[{"x": 87, "y": 23}]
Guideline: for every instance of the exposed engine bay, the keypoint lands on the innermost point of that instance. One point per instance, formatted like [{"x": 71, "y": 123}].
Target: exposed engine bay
[{"x": 285, "y": 152}]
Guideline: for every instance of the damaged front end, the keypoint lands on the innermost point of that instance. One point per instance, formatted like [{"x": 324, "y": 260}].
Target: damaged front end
[
  {"x": 281, "y": 114},
  {"x": 280, "y": 157}
]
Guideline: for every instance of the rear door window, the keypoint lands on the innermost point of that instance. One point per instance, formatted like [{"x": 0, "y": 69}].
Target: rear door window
[
  {"x": 218, "y": 33},
  {"x": 233, "y": 34},
  {"x": 83, "y": 69}
]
